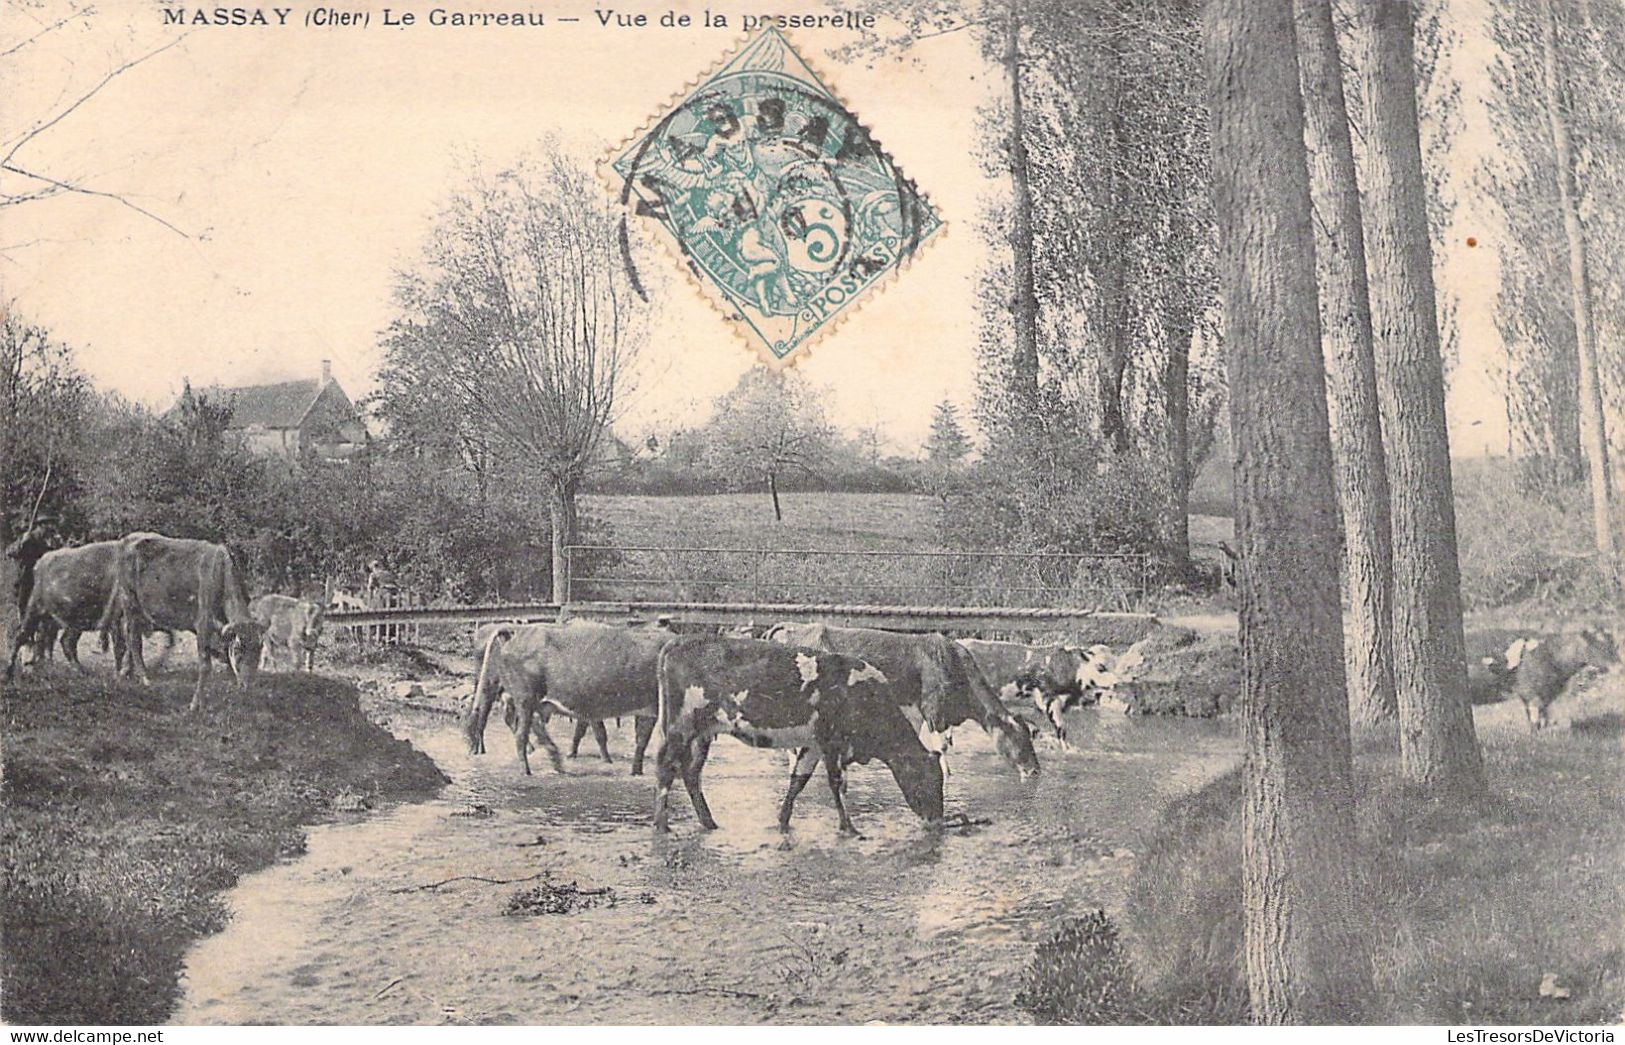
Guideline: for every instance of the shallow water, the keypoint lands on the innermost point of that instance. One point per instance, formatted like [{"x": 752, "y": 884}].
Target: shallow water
[{"x": 902, "y": 925}]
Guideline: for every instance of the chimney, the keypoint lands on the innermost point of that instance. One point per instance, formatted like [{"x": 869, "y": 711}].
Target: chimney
[{"x": 327, "y": 371}]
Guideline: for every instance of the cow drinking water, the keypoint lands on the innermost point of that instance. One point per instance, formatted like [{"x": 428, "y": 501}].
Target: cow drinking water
[
  {"x": 824, "y": 705},
  {"x": 1055, "y": 678},
  {"x": 1543, "y": 667},
  {"x": 933, "y": 678}
]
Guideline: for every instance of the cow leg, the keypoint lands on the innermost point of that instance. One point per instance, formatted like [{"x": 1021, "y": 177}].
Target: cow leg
[
  {"x": 521, "y": 734},
  {"x": 70, "y": 647},
  {"x": 135, "y": 665},
  {"x": 837, "y": 788},
  {"x": 576, "y": 735},
  {"x": 205, "y": 666},
  {"x": 600, "y": 734},
  {"x": 800, "y": 773},
  {"x": 24, "y": 637},
  {"x": 539, "y": 731},
  {"x": 671, "y": 756},
  {"x": 691, "y": 780},
  {"x": 645, "y": 726}
]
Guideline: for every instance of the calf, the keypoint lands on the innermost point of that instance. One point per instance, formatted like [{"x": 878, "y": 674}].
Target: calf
[
  {"x": 1055, "y": 678},
  {"x": 826, "y": 706},
  {"x": 1545, "y": 666},
  {"x": 588, "y": 671},
  {"x": 291, "y": 625}
]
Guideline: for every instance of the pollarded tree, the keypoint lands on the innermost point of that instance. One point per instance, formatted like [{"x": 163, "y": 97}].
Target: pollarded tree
[
  {"x": 768, "y": 425},
  {"x": 521, "y": 308},
  {"x": 1304, "y": 939}
]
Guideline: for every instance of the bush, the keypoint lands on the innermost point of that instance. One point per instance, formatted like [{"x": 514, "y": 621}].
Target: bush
[
  {"x": 1522, "y": 547},
  {"x": 1079, "y": 975}
]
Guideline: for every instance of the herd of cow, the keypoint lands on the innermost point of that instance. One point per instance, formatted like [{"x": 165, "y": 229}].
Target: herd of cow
[
  {"x": 146, "y": 582},
  {"x": 831, "y": 694}
]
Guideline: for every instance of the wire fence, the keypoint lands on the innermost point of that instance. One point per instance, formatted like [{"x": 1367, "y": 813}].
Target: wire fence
[{"x": 645, "y": 573}]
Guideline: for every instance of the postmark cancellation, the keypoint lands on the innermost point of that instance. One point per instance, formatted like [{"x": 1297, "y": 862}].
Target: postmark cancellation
[{"x": 780, "y": 203}]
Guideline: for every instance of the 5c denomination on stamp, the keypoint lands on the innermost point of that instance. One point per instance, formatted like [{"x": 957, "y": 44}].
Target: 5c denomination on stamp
[{"x": 783, "y": 206}]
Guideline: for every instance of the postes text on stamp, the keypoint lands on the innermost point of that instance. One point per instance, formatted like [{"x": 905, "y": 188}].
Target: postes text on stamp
[{"x": 778, "y": 199}]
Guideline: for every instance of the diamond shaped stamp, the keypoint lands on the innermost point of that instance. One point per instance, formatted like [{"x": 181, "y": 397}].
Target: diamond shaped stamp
[{"x": 783, "y": 206}]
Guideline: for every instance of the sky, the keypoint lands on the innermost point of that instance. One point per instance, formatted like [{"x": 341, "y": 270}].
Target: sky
[{"x": 302, "y": 166}]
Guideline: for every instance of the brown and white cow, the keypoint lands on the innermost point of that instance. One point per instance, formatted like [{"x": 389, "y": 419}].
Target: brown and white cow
[
  {"x": 291, "y": 625},
  {"x": 588, "y": 671},
  {"x": 1543, "y": 667},
  {"x": 180, "y": 584},
  {"x": 1055, "y": 678},
  {"x": 932, "y": 675},
  {"x": 827, "y": 706}
]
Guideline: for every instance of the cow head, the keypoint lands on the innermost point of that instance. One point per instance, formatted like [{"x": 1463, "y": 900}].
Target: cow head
[
  {"x": 1014, "y": 739},
  {"x": 919, "y": 777},
  {"x": 243, "y": 640}
]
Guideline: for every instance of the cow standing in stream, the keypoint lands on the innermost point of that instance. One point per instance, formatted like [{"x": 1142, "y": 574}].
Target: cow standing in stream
[
  {"x": 179, "y": 584},
  {"x": 588, "y": 671},
  {"x": 824, "y": 705},
  {"x": 933, "y": 679},
  {"x": 1055, "y": 678}
]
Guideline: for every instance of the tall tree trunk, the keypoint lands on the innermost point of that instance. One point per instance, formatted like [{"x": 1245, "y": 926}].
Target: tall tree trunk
[
  {"x": 1304, "y": 942},
  {"x": 1593, "y": 432},
  {"x": 566, "y": 531},
  {"x": 1351, "y": 374},
  {"x": 1176, "y": 531},
  {"x": 1438, "y": 748},
  {"x": 1114, "y": 280},
  {"x": 773, "y": 488},
  {"x": 1024, "y": 308}
]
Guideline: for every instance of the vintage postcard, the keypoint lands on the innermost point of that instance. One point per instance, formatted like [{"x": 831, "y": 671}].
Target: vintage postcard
[{"x": 889, "y": 512}]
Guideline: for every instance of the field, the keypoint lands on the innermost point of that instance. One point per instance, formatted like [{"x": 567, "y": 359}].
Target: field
[
  {"x": 858, "y": 521},
  {"x": 747, "y": 555}
]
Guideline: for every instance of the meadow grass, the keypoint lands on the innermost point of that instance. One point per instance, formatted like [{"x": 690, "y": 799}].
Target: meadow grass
[
  {"x": 1471, "y": 902},
  {"x": 122, "y": 818}
]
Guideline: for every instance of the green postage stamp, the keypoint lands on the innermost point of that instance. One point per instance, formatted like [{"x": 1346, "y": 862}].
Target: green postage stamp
[{"x": 780, "y": 202}]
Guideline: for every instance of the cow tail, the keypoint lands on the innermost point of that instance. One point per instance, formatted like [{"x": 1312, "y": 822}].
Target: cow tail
[
  {"x": 121, "y": 596},
  {"x": 480, "y": 708},
  {"x": 661, "y": 691}
]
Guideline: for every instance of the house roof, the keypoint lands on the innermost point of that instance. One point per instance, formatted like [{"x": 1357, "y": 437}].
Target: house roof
[{"x": 282, "y": 405}]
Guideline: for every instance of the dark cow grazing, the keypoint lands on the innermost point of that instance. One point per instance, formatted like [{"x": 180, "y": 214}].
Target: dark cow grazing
[
  {"x": 184, "y": 585},
  {"x": 1055, "y": 678},
  {"x": 588, "y": 671},
  {"x": 1545, "y": 667},
  {"x": 292, "y": 626},
  {"x": 931, "y": 674},
  {"x": 69, "y": 593},
  {"x": 827, "y": 706}
]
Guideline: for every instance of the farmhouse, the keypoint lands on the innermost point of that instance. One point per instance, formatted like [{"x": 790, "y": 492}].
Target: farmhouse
[{"x": 293, "y": 419}]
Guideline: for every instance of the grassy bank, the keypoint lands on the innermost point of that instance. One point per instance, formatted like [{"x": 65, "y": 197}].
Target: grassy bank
[
  {"x": 1476, "y": 901},
  {"x": 123, "y": 818}
]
